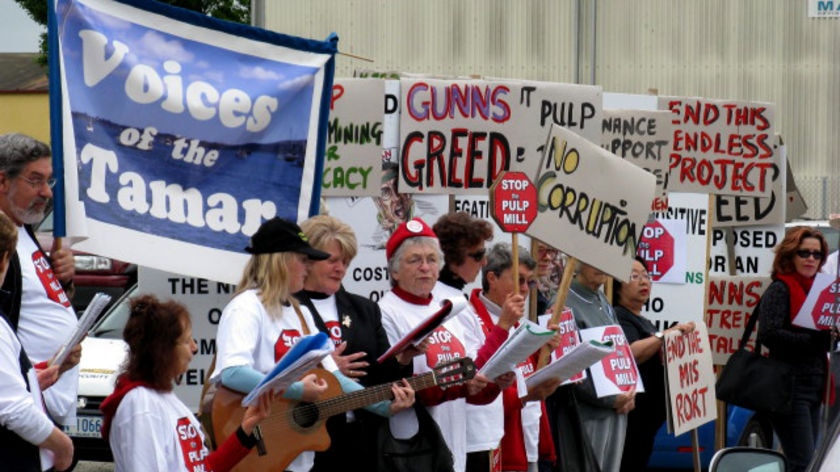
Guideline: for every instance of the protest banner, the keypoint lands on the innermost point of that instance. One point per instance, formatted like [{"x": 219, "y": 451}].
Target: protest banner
[
  {"x": 617, "y": 372},
  {"x": 752, "y": 250},
  {"x": 182, "y": 134},
  {"x": 690, "y": 380},
  {"x": 642, "y": 137},
  {"x": 592, "y": 205},
  {"x": 663, "y": 247},
  {"x": 458, "y": 136},
  {"x": 352, "y": 164},
  {"x": 680, "y": 303},
  {"x": 742, "y": 210},
  {"x": 821, "y": 309},
  {"x": 721, "y": 147},
  {"x": 730, "y": 302}
]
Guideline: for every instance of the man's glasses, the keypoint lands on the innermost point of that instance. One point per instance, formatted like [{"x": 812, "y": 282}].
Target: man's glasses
[
  {"x": 38, "y": 183},
  {"x": 634, "y": 276},
  {"x": 478, "y": 256},
  {"x": 804, "y": 253}
]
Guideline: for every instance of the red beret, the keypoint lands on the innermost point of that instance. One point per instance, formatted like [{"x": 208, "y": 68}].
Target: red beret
[{"x": 410, "y": 229}]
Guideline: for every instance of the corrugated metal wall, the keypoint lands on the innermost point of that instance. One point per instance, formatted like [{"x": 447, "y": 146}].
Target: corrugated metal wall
[{"x": 766, "y": 50}]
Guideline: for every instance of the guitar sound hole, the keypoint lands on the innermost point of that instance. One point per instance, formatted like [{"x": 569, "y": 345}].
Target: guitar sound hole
[{"x": 305, "y": 414}]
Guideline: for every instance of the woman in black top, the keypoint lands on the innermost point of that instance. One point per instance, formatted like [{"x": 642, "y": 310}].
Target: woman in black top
[
  {"x": 646, "y": 343},
  {"x": 798, "y": 258}
]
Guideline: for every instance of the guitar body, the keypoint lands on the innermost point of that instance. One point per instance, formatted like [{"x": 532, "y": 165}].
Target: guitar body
[{"x": 291, "y": 428}]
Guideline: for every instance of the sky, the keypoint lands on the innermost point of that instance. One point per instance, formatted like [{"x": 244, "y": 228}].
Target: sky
[{"x": 18, "y": 32}]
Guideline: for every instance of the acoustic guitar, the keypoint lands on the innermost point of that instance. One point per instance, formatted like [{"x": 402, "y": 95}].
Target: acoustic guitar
[{"x": 295, "y": 426}]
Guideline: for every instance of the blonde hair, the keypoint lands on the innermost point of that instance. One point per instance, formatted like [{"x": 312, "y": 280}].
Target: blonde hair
[
  {"x": 324, "y": 229},
  {"x": 269, "y": 275}
]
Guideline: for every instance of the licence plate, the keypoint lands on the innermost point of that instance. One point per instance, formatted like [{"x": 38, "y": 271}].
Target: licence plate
[{"x": 86, "y": 427}]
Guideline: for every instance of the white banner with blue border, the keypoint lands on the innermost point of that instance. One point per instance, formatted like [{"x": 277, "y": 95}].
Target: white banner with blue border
[{"x": 181, "y": 134}]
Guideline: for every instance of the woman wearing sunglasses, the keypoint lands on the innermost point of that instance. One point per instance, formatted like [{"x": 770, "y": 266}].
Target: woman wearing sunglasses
[{"x": 798, "y": 259}]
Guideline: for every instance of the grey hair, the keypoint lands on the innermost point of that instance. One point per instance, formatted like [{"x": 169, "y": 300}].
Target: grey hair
[
  {"x": 500, "y": 259},
  {"x": 17, "y": 150},
  {"x": 394, "y": 261}
]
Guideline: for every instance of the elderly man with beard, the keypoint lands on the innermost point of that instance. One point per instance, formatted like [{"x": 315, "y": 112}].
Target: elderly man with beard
[{"x": 39, "y": 308}]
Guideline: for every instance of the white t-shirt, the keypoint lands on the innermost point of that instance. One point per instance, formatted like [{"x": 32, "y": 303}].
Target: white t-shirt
[
  {"x": 449, "y": 341},
  {"x": 328, "y": 310},
  {"x": 46, "y": 322},
  {"x": 21, "y": 411},
  {"x": 249, "y": 336},
  {"x": 153, "y": 431},
  {"x": 485, "y": 423}
]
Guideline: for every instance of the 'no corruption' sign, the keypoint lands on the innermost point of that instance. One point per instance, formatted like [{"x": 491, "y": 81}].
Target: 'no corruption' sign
[{"x": 591, "y": 204}]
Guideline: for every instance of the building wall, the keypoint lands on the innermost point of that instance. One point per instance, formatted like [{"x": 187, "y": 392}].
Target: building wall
[
  {"x": 763, "y": 50},
  {"x": 27, "y": 113}
]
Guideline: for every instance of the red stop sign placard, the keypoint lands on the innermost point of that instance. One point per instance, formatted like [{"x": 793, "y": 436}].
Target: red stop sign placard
[
  {"x": 513, "y": 199},
  {"x": 619, "y": 367},
  {"x": 656, "y": 247},
  {"x": 826, "y": 311}
]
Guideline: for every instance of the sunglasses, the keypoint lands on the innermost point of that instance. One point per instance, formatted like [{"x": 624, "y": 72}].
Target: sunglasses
[
  {"x": 803, "y": 253},
  {"x": 478, "y": 256}
]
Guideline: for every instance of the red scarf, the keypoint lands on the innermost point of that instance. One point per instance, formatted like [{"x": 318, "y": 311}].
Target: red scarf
[
  {"x": 798, "y": 287},
  {"x": 109, "y": 405}
]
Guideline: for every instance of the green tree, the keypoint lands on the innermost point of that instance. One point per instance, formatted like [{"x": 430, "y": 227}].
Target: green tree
[{"x": 232, "y": 10}]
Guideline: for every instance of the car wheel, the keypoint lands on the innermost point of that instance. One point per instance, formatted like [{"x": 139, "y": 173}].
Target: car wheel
[{"x": 757, "y": 434}]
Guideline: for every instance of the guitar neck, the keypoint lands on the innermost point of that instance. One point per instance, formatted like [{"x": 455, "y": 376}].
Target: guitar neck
[{"x": 368, "y": 396}]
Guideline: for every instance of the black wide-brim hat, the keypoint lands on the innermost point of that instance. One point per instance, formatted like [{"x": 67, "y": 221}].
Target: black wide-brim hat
[{"x": 279, "y": 235}]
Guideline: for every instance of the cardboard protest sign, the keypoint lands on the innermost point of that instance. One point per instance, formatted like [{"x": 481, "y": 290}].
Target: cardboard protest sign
[
  {"x": 458, "y": 136},
  {"x": 592, "y": 205},
  {"x": 821, "y": 309},
  {"x": 679, "y": 303},
  {"x": 642, "y": 137},
  {"x": 664, "y": 249},
  {"x": 730, "y": 302},
  {"x": 216, "y": 130},
  {"x": 721, "y": 147},
  {"x": 753, "y": 250},
  {"x": 757, "y": 211},
  {"x": 617, "y": 372},
  {"x": 352, "y": 165},
  {"x": 690, "y": 380}
]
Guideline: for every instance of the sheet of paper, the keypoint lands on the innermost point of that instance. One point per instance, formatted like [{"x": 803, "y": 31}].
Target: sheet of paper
[
  {"x": 574, "y": 361},
  {"x": 94, "y": 308},
  {"x": 524, "y": 341}
]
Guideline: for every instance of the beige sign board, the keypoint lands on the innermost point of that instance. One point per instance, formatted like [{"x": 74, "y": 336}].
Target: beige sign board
[
  {"x": 352, "y": 163},
  {"x": 592, "y": 204},
  {"x": 721, "y": 147}
]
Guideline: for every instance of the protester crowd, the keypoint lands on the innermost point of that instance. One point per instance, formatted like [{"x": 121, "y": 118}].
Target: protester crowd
[{"x": 292, "y": 287}]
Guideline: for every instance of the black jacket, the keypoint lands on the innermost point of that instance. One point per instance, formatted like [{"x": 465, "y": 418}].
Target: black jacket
[{"x": 362, "y": 330}]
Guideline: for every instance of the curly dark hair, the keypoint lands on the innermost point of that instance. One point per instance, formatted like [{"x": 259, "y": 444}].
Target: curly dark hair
[
  {"x": 151, "y": 332},
  {"x": 786, "y": 250},
  {"x": 458, "y": 232}
]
